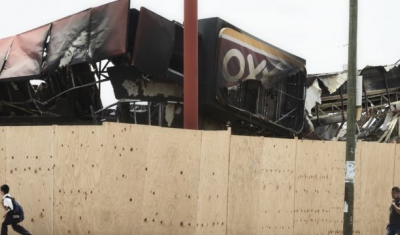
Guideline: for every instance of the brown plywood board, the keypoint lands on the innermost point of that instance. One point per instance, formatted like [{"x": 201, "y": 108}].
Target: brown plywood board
[
  {"x": 377, "y": 170},
  {"x": 78, "y": 150},
  {"x": 396, "y": 176},
  {"x": 213, "y": 186},
  {"x": 171, "y": 182},
  {"x": 177, "y": 177},
  {"x": 119, "y": 195},
  {"x": 30, "y": 174},
  {"x": 244, "y": 184},
  {"x": 318, "y": 195},
  {"x": 358, "y": 204},
  {"x": 275, "y": 212},
  {"x": 337, "y": 185}
]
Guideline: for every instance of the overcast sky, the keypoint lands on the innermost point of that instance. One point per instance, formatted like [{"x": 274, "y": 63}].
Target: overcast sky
[{"x": 316, "y": 30}]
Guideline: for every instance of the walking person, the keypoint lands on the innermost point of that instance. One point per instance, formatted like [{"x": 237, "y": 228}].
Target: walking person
[
  {"x": 394, "y": 218},
  {"x": 8, "y": 216}
]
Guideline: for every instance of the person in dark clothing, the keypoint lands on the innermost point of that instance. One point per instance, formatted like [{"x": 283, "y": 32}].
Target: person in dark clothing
[
  {"x": 394, "y": 218},
  {"x": 8, "y": 220}
]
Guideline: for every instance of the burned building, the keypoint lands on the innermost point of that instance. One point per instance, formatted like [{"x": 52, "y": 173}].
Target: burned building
[
  {"x": 53, "y": 74},
  {"x": 378, "y": 95}
]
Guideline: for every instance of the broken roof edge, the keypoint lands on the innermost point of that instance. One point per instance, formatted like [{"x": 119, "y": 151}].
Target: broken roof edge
[
  {"x": 359, "y": 71},
  {"x": 381, "y": 68}
]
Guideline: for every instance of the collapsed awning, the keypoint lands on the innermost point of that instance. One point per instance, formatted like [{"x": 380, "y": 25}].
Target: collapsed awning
[{"x": 88, "y": 36}]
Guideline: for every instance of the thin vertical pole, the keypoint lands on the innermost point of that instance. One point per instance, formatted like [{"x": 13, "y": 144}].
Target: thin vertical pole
[
  {"x": 351, "y": 120},
  {"x": 190, "y": 66}
]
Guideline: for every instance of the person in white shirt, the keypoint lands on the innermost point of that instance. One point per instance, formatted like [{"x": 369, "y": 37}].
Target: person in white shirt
[{"x": 8, "y": 220}]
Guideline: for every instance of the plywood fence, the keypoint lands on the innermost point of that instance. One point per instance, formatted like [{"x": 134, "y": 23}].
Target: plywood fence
[{"x": 130, "y": 179}]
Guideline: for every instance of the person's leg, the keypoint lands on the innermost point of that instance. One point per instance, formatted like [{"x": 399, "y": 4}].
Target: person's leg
[
  {"x": 19, "y": 229},
  {"x": 390, "y": 231},
  {"x": 4, "y": 226}
]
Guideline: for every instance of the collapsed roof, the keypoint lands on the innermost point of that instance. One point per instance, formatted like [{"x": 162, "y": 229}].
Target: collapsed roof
[{"x": 379, "y": 89}]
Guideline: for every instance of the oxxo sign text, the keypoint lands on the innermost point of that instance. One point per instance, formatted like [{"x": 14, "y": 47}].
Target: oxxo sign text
[
  {"x": 254, "y": 69},
  {"x": 244, "y": 58}
]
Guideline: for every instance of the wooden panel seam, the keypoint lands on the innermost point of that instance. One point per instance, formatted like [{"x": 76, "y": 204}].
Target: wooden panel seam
[
  {"x": 227, "y": 188},
  {"x": 294, "y": 185}
]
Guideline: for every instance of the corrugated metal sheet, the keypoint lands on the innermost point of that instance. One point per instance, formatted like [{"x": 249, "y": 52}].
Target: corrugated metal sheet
[{"x": 313, "y": 96}]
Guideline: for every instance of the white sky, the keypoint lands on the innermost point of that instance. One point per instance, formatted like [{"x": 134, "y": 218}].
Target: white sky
[{"x": 316, "y": 30}]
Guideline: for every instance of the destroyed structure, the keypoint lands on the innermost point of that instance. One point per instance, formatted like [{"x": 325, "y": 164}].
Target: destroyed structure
[
  {"x": 378, "y": 97},
  {"x": 53, "y": 75}
]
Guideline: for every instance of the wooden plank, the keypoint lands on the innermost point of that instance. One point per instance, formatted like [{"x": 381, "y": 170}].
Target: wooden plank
[
  {"x": 213, "y": 186},
  {"x": 171, "y": 182},
  {"x": 275, "y": 212},
  {"x": 244, "y": 184},
  {"x": 358, "y": 204},
  {"x": 396, "y": 178},
  {"x": 317, "y": 196},
  {"x": 119, "y": 196},
  {"x": 30, "y": 174},
  {"x": 305, "y": 176},
  {"x": 166, "y": 175},
  {"x": 337, "y": 185},
  {"x": 3, "y": 154},
  {"x": 78, "y": 150},
  {"x": 377, "y": 171}
]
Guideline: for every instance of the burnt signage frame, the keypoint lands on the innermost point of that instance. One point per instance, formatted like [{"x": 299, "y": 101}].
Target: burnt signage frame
[
  {"x": 26, "y": 54},
  {"x": 214, "y": 106},
  {"x": 154, "y": 43},
  {"x": 109, "y": 30},
  {"x": 5, "y": 45},
  {"x": 66, "y": 46}
]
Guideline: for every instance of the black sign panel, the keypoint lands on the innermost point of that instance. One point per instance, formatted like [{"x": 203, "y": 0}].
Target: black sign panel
[
  {"x": 68, "y": 41},
  {"x": 154, "y": 44},
  {"x": 108, "y": 30}
]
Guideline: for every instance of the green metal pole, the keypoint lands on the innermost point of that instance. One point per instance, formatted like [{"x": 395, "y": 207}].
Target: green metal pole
[{"x": 351, "y": 120}]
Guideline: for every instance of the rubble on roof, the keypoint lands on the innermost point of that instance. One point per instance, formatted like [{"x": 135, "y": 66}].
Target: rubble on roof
[{"x": 380, "y": 104}]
